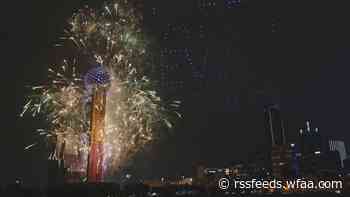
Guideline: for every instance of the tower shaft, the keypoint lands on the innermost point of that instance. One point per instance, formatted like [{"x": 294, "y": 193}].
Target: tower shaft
[{"x": 97, "y": 131}]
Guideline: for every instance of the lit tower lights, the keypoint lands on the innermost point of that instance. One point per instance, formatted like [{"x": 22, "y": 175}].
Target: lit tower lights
[
  {"x": 96, "y": 82},
  {"x": 105, "y": 116}
]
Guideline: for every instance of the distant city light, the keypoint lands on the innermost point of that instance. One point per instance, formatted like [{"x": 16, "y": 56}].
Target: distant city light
[{"x": 232, "y": 3}]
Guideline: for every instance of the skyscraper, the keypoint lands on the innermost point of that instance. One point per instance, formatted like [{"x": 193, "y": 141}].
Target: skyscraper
[
  {"x": 310, "y": 140},
  {"x": 274, "y": 125},
  {"x": 281, "y": 153},
  {"x": 310, "y": 150},
  {"x": 319, "y": 155},
  {"x": 295, "y": 159},
  {"x": 337, "y": 145}
]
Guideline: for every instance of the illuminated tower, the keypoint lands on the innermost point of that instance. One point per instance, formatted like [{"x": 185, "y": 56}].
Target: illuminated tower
[
  {"x": 96, "y": 82},
  {"x": 280, "y": 152},
  {"x": 274, "y": 125}
]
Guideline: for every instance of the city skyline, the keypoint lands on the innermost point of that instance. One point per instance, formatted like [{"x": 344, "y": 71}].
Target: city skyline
[{"x": 225, "y": 89}]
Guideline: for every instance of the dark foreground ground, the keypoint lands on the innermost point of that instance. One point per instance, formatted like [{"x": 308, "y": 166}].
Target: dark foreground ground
[{"x": 113, "y": 190}]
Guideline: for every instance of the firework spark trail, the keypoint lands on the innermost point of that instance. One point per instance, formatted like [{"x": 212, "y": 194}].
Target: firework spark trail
[{"x": 134, "y": 111}]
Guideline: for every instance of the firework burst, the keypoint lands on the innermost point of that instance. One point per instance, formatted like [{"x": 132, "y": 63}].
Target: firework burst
[{"x": 134, "y": 111}]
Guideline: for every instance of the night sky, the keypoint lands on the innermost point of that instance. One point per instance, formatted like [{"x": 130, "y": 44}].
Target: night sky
[{"x": 303, "y": 66}]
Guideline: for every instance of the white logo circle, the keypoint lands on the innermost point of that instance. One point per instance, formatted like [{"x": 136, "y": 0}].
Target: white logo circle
[{"x": 224, "y": 183}]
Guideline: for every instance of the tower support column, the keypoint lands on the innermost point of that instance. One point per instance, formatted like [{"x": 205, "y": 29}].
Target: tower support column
[{"x": 95, "y": 168}]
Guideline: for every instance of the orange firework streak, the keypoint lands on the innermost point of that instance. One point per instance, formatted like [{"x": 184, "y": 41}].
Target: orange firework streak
[{"x": 97, "y": 131}]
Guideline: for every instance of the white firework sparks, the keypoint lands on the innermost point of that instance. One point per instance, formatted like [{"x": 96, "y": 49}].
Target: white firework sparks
[{"x": 134, "y": 111}]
